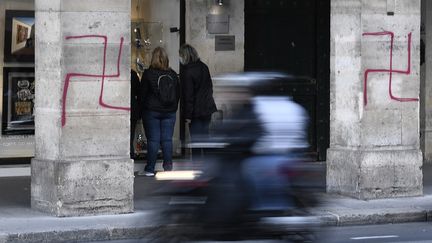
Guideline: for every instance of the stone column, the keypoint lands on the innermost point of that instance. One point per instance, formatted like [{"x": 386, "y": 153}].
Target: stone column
[
  {"x": 374, "y": 132},
  {"x": 81, "y": 164}
]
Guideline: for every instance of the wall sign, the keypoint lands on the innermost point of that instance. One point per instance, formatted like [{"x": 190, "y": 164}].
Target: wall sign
[
  {"x": 217, "y": 23},
  {"x": 225, "y": 43}
]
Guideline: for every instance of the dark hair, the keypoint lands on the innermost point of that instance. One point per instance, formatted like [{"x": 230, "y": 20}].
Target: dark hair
[
  {"x": 159, "y": 59},
  {"x": 188, "y": 53}
]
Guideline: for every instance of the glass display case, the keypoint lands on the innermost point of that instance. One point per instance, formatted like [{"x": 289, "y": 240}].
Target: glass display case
[
  {"x": 145, "y": 37},
  {"x": 17, "y": 110},
  {"x": 18, "y": 100}
]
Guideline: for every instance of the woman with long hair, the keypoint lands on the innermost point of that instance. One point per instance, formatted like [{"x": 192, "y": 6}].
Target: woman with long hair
[{"x": 160, "y": 92}]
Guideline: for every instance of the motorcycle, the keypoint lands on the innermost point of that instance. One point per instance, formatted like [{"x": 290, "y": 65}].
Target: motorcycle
[{"x": 255, "y": 179}]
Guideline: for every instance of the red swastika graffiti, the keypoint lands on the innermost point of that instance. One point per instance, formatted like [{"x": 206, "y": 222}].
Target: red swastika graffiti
[
  {"x": 69, "y": 76},
  {"x": 390, "y": 70}
]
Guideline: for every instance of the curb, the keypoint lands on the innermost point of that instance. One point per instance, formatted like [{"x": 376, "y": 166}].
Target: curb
[
  {"x": 80, "y": 235},
  {"x": 159, "y": 233},
  {"x": 380, "y": 217}
]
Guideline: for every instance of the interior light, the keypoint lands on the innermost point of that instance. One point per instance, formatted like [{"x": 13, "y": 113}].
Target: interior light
[{"x": 220, "y": 2}]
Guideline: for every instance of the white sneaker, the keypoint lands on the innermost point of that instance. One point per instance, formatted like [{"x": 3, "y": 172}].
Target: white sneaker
[
  {"x": 145, "y": 173},
  {"x": 149, "y": 174}
]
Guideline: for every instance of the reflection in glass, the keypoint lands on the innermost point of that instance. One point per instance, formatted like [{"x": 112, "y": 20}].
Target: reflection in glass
[{"x": 145, "y": 36}]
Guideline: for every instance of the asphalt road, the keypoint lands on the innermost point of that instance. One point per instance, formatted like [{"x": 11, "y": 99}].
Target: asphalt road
[
  {"x": 401, "y": 233},
  {"x": 412, "y": 232}
]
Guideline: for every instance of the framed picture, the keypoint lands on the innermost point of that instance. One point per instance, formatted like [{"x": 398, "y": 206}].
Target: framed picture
[
  {"x": 18, "y": 100},
  {"x": 19, "y": 36}
]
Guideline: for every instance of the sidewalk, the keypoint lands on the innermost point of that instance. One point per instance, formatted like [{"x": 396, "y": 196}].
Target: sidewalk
[
  {"x": 343, "y": 211},
  {"x": 19, "y": 223}
]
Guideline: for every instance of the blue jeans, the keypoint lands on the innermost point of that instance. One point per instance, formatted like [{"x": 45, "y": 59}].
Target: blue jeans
[{"x": 159, "y": 129}]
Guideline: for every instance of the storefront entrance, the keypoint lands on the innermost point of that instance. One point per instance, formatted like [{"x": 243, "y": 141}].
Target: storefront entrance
[{"x": 300, "y": 45}]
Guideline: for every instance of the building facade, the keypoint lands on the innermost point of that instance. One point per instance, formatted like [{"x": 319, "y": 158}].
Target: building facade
[{"x": 370, "y": 83}]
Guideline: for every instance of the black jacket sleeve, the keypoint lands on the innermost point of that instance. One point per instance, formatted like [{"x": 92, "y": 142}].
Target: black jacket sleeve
[
  {"x": 135, "y": 98},
  {"x": 144, "y": 89},
  {"x": 135, "y": 85}
]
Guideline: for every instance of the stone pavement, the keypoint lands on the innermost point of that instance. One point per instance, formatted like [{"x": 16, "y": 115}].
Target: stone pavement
[{"x": 19, "y": 223}]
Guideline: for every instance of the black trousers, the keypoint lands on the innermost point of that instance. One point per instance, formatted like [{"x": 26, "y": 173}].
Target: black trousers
[
  {"x": 199, "y": 131},
  {"x": 133, "y": 122}
]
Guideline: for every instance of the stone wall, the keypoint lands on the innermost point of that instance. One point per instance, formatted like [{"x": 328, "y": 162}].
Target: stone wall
[
  {"x": 375, "y": 83},
  {"x": 198, "y": 36},
  {"x": 82, "y": 165}
]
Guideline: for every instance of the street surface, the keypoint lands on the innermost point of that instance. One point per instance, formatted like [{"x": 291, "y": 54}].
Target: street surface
[
  {"x": 412, "y": 232},
  {"x": 401, "y": 233},
  {"x": 17, "y": 204}
]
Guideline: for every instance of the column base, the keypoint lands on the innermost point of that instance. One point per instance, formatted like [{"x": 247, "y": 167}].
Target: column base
[
  {"x": 82, "y": 187},
  {"x": 372, "y": 174}
]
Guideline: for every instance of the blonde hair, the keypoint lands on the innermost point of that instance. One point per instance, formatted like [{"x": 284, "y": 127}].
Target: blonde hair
[
  {"x": 188, "y": 53},
  {"x": 159, "y": 59}
]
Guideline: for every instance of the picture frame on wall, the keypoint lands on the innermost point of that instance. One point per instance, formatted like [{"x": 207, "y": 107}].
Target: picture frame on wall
[
  {"x": 18, "y": 100},
  {"x": 19, "y": 36}
]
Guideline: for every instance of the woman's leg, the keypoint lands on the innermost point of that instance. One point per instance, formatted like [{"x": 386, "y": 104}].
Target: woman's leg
[
  {"x": 152, "y": 128},
  {"x": 199, "y": 131},
  {"x": 167, "y": 131},
  {"x": 194, "y": 129}
]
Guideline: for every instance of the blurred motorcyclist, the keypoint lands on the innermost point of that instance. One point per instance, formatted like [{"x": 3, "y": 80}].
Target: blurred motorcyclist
[
  {"x": 249, "y": 173},
  {"x": 260, "y": 137}
]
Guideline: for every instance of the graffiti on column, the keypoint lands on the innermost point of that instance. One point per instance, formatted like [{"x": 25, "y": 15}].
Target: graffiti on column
[
  {"x": 69, "y": 76},
  {"x": 390, "y": 71}
]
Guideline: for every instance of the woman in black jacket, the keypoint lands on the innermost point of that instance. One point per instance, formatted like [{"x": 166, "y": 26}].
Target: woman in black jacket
[
  {"x": 161, "y": 93},
  {"x": 135, "y": 109},
  {"x": 197, "y": 88}
]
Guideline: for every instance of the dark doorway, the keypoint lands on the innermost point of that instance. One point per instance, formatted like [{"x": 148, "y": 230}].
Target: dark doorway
[{"x": 293, "y": 36}]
